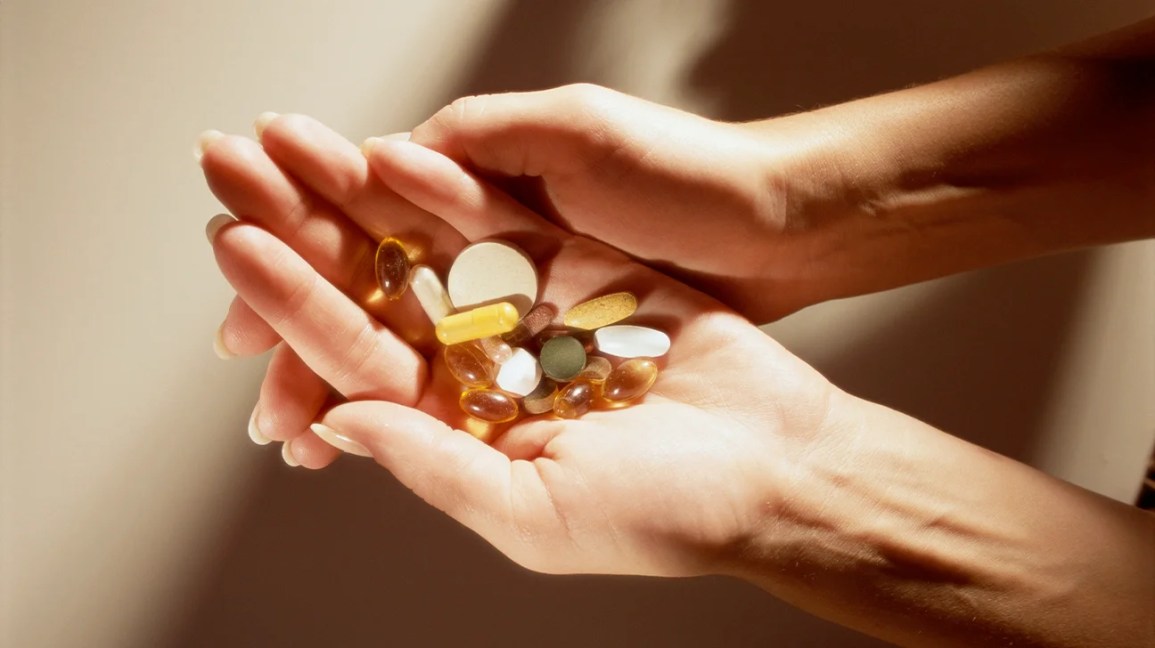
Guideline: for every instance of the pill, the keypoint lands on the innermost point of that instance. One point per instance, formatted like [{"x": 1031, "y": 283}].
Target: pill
[
  {"x": 392, "y": 267},
  {"x": 597, "y": 369},
  {"x": 601, "y": 311},
  {"x": 628, "y": 341},
  {"x": 496, "y": 348},
  {"x": 492, "y": 271},
  {"x": 468, "y": 365},
  {"x": 485, "y": 321},
  {"x": 581, "y": 336},
  {"x": 574, "y": 399},
  {"x": 488, "y": 405},
  {"x": 540, "y": 400},
  {"x": 430, "y": 293},
  {"x": 521, "y": 374},
  {"x": 630, "y": 380},
  {"x": 534, "y": 322},
  {"x": 563, "y": 357}
]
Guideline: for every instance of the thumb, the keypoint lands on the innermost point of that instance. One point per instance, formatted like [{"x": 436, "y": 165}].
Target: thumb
[
  {"x": 450, "y": 469},
  {"x": 551, "y": 132}
]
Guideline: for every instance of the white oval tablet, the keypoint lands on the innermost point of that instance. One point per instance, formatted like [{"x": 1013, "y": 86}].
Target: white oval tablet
[
  {"x": 488, "y": 272},
  {"x": 520, "y": 374},
  {"x": 628, "y": 341}
]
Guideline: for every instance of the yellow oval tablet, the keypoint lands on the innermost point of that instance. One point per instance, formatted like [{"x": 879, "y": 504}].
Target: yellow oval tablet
[{"x": 601, "y": 311}]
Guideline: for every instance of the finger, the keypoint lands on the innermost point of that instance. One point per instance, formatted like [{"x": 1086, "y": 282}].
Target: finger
[
  {"x": 255, "y": 190},
  {"x": 558, "y": 131},
  {"x": 292, "y": 397},
  {"x": 333, "y": 168},
  {"x": 309, "y": 451},
  {"x": 335, "y": 337},
  {"x": 243, "y": 332},
  {"x": 436, "y": 183}
]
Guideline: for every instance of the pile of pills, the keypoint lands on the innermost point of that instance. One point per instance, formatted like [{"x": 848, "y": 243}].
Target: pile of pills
[{"x": 500, "y": 344}]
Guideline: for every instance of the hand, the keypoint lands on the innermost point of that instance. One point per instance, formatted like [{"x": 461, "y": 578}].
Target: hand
[
  {"x": 715, "y": 205},
  {"x": 670, "y": 486}
]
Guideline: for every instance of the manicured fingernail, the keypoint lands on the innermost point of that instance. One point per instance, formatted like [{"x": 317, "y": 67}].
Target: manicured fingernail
[
  {"x": 215, "y": 224},
  {"x": 287, "y": 454},
  {"x": 367, "y": 145},
  {"x": 204, "y": 140},
  {"x": 262, "y": 121},
  {"x": 339, "y": 441},
  {"x": 255, "y": 432},
  {"x": 219, "y": 346},
  {"x": 398, "y": 137}
]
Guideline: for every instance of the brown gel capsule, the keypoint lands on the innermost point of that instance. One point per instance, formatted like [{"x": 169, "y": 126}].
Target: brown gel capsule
[
  {"x": 597, "y": 369},
  {"x": 468, "y": 364},
  {"x": 630, "y": 380},
  {"x": 540, "y": 400},
  {"x": 392, "y": 267},
  {"x": 574, "y": 399},
  {"x": 488, "y": 405},
  {"x": 533, "y": 323}
]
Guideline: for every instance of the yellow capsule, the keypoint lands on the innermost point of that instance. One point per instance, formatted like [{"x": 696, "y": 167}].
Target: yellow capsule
[
  {"x": 478, "y": 323},
  {"x": 574, "y": 400},
  {"x": 488, "y": 405},
  {"x": 392, "y": 267},
  {"x": 630, "y": 380},
  {"x": 469, "y": 365}
]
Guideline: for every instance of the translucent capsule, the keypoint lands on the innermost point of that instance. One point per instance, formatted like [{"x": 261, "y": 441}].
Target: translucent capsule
[
  {"x": 574, "y": 399},
  {"x": 392, "y": 267},
  {"x": 601, "y": 311},
  {"x": 596, "y": 370},
  {"x": 563, "y": 357},
  {"x": 478, "y": 323},
  {"x": 533, "y": 323},
  {"x": 496, "y": 348},
  {"x": 540, "y": 400},
  {"x": 630, "y": 380},
  {"x": 469, "y": 365},
  {"x": 520, "y": 375},
  {"x": 430, "y": 293},
  {"x": 488, "y": 405}
]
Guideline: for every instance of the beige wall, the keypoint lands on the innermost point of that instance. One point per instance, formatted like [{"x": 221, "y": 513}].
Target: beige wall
[{"x": 135, "y": 512}]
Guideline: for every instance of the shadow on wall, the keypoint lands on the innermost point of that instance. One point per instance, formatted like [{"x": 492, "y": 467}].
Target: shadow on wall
[{"x": 348, "y": 557}]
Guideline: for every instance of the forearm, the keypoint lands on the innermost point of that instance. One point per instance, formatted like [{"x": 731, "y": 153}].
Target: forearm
[
  {"x": 915, "y": 536},
  {"x": 1022, "y": 159}
]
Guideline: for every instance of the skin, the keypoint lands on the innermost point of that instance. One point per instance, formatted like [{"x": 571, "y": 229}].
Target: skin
[{"x": 842, "y": 507}]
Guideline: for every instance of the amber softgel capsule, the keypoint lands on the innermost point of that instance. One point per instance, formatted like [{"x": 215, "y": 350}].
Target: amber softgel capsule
[{"x": 392, "y": 268}]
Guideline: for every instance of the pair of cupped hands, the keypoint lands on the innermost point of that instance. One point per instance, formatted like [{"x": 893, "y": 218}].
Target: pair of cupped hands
[{"x": 624, "y": 194}]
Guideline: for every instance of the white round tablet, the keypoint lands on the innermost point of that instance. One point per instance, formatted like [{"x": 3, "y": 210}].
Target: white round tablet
[
  {"x": 488, "y": 272},
  {"x": 520, "y": 374}
]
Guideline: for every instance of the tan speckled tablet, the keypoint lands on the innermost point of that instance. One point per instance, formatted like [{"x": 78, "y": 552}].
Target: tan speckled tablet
[{"x": 601, "y": 311}]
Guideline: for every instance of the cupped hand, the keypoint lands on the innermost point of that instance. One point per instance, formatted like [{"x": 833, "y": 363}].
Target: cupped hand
[
  {"x": 717, "y": 205},
  {"x": 670, "y": 485}
]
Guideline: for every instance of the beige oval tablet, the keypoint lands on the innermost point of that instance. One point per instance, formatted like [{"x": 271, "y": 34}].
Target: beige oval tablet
[
  {"x": 601, "y": 311},
  {"x": 492, "y": 271}
]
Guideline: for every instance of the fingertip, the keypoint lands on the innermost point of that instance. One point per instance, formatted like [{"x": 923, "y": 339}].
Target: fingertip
[
  {"x": 339, "y": 441},
  {"x": 220, "y": 347},
  {"x": 215, "y": 224},
  {"x": 262, "y": 122},
  {"x": 204, "y": 141}
]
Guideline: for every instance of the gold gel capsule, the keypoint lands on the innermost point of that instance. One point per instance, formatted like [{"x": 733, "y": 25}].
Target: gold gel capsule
[
  {"x": 496, "y": 348},
  {"x": 478, "y": 323},
  {"x": 630, "y": 380},
  {"x": 533, "y": 323},
  {"x": 488, "y": 405},
  {"x": 392, "y": 266},
  {"x": 540, "y": 400},
  {"x": 469, "y": 365},
  {"x": 601, "y": 311},
  {"x": 596, "y": 370},
  {"x": 574, "y": 399}
]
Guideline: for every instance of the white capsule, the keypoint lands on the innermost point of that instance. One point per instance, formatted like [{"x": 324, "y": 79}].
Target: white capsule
[
  {"x": 628, "y": 341},
  {"x": 496, "y": 349},
  {"x": 520, "y": 374},
  {"x": 432, "y": 295}
]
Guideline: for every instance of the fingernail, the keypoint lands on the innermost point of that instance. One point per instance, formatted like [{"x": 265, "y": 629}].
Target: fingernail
[
  {"x": 287, "y": 454},
  {"x": 339, "y": 441},
  {"x": 263, "y": 120},
  {"x": 367, "y": 145},
  {"x": 398, "y": 137},
  {"x": 204, "y": 140},
  {"x": 255, "y": 432},
  {"x": 215, "y": 224},
  {"x": 219, "y": 346}
]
